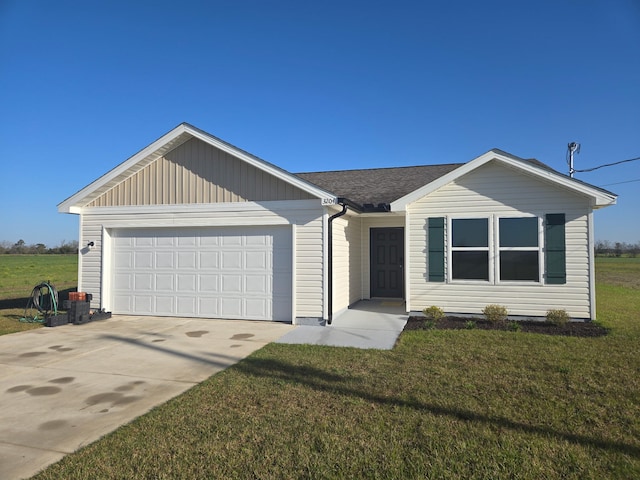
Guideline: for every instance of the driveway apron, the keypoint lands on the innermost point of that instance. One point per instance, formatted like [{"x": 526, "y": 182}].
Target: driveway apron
[{"x": 62, "y": 388}]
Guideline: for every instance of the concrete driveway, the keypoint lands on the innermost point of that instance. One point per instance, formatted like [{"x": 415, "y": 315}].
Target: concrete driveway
[{"x": 62, "y": 388}]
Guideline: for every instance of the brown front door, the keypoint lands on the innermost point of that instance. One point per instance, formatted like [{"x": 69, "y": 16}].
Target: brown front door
[{"x": 387, "y": 261}]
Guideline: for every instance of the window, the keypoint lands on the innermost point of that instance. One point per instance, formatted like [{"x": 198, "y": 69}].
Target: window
[
  {"x": 519, "y": 250},
  {"x": 470, "y": 249},
  {"x": 495, "y": 249}
]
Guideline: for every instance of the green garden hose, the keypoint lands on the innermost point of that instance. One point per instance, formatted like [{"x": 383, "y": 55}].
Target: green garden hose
[{"x": 44, "y": 299}]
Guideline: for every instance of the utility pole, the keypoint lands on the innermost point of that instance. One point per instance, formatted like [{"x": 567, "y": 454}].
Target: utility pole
[{"x": 573, "y": 148}]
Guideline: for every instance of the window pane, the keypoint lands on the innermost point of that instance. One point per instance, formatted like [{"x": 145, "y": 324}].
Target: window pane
[
  {"x": 470, "y": 232},
  {"x": 519, "y": 266},
  {"x": 519, "y": 232},
  {"x": 470, "y": 265}
]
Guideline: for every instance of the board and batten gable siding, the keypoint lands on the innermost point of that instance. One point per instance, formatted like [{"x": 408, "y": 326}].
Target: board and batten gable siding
[
  {"x": 495, "y": 190},
  {"x": 196, "y": 172},
  {"x": 347, "y": 258},
  {"x": 97, "y": 223}
]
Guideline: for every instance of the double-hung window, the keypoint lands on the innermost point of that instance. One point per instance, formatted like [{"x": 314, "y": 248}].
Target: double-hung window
[
  {"x": 519, "y": 249},
  {"x": 470, "y": 249}
]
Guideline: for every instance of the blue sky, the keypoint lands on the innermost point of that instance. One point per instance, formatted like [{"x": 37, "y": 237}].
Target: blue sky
[{"x": 314, "y": 86}]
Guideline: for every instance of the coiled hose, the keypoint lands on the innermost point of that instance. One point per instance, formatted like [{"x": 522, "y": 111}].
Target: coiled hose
[{"x": 44, "y": 299}]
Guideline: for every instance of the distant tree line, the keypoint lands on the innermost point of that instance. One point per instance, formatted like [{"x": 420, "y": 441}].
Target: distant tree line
[
  {"x": 21, "y": 248},
  {"x": 605, "y": 248}
]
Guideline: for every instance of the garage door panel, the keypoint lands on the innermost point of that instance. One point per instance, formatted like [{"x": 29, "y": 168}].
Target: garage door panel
[
  {"x": 209, "y": 307},
  {"x": 231, "y": 307},
  {"x": 186, "y": 260},
  {"x": 124, "y": 282},
  {"x": 143, "y": 304},
  {"x": 257, "y": 240},
  {"x": 187, "y": 241},
  {"x": 209, "y": 260},
  {"x": 229, "y": 240},
  {"x": 164, "y": 305},
  {"x": 257, "y": 285},
  {"x": 255, "y": 306},
  {"x": 143, "y": 241},
  {"x": 231, "y": 260},
  {"x": 255, "y": 260},
  {"x": 122, "y": 303},
  {"x": 186, "y": 306},
  {"x": 143, "y": 282},
  {"x": 236, "y": 272},
  {"x": 143, "y": 259},
  {"x": 164, "y": 259},
  {"x": 165, "y": 282},
  {"x": 208, "y": 240},
  {"x": 165, "y": 241},
  {"x": 123, "y": 260},
  {"x": 209, "y": 284},
  {"x": 231, "y": 284}
]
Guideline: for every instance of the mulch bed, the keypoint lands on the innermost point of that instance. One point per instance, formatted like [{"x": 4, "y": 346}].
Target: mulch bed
[{"x": 571, "y": 329}]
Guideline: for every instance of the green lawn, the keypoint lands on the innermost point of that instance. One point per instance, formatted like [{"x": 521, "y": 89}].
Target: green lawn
[
  {"x": 20, "y": 273},
  {"x": 442, "y": 404}
]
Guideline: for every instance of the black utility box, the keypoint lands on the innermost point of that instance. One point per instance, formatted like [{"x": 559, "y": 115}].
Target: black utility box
[
  {"x": 79, "y": 313},
  {"x": 56, "y": 320}
]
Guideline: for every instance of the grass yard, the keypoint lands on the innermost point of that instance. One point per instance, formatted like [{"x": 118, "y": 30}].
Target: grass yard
[
  {"x": 20, "y": 273},
  {"x": 443, "y": 404}
]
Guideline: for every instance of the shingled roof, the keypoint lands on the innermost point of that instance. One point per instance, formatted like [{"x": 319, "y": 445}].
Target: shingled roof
[{"x": 377, "y": 185}]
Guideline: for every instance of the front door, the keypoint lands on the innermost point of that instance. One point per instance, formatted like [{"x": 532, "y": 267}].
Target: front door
[{"x": 387, "y": 259}]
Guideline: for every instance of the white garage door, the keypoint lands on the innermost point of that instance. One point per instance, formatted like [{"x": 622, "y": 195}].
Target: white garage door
[{"x": 230, "y": 272}]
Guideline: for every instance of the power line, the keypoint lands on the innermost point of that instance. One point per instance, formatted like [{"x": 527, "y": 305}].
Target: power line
[
  {"x": 607, "y": 165},
  {"x": 619, "y": 183}
]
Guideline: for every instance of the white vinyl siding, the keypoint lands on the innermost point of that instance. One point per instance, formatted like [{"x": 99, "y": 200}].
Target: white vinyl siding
[
  {"x": 501, "y": 191},
  {"x": 196, "y": 172},
  {"x": 306, "y": 215},
  {"x": 347, "y": 260}
]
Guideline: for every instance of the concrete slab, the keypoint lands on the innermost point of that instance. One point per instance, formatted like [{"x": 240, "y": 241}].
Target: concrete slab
[
  {"x": 65, "y": 387},
  {"x": 367, "y": 324}
]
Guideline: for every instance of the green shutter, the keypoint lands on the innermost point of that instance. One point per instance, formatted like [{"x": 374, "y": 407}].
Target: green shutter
[
  {"x": 436, "y": 249},
  {"x": 555, "y": 249}
]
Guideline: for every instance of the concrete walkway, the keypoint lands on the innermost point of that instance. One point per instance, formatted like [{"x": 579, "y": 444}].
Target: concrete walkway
[
  {"x": 368, "y": 324},
  {"x": 62, "y": 388}
]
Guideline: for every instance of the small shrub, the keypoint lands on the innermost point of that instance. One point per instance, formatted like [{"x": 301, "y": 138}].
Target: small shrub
[
  {"x": 558, "y": 317},
  {"x": 495, "y": 313},
  {"x": 433, "y": 313},
  {"x": 469, "y": 324},
  {"x": 429, "y": 325},
  {"x": 514, "y": 326}
]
